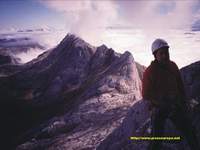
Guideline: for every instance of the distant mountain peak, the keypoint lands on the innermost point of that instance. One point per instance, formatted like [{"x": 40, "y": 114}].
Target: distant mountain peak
[{"x": 78, "y": 42}]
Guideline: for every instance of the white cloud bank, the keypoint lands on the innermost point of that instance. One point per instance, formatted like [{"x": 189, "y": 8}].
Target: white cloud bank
[
  {"x": 137, "y": 24},
  {"x": 88, "y": 19}
]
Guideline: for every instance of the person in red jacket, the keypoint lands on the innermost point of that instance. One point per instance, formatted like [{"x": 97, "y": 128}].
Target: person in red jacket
[{"x": 162, "y": 86}]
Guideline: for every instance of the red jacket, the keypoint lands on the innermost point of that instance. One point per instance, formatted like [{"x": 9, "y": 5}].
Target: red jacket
[{"x": 160, "y": 82}]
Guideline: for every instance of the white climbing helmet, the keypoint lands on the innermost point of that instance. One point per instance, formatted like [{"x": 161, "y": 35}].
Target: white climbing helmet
[{"x": 157, "y": 44}]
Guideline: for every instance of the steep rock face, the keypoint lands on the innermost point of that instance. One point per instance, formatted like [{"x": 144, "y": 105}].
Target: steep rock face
[
  {"x": 54, "y": 71},
  {"x": 110, "y": 89},
  {"x": 68, "y": 96},
  {"x": 33, "y": 91}
]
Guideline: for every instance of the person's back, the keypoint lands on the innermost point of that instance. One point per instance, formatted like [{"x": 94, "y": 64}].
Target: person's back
[{"x": 162, "y": 86}]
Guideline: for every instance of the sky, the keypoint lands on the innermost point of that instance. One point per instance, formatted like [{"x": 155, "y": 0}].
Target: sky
[{"x": 124, "y": 25}]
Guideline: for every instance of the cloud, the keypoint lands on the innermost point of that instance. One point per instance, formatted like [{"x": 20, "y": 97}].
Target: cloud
[
  {"x": 131, "y": 25},
  {"x": 88, "y": 19},
  {"x": 158, "y": 15},
  {"x": 29, "y": 55}
]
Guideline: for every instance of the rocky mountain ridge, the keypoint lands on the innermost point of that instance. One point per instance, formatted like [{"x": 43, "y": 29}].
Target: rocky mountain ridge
[
  {"x": 74, "y": 80},
  {"x": 74, "y": 96}
]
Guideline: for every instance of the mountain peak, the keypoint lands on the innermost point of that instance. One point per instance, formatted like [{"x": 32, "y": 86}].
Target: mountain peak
[{"x": 78, "y": 42}]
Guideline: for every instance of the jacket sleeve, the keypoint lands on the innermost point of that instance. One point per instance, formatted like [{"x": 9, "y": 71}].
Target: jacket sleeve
[
  {"x": 180, "y": 85},
  {"x": 147, "y": 86}
]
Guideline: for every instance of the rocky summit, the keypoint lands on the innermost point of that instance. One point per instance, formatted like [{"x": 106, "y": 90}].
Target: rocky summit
[{"x": 77, "y": 97}]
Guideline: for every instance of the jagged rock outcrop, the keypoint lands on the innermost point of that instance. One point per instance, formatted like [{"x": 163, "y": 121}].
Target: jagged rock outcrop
[
  {"x": 191, "y": 78},
  {"x": 34, "y": 91},
  {"x": 71, "y": 97}
]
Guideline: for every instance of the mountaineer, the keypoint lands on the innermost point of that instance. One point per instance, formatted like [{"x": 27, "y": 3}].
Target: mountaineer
[{"x": 163, "y": 88}]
